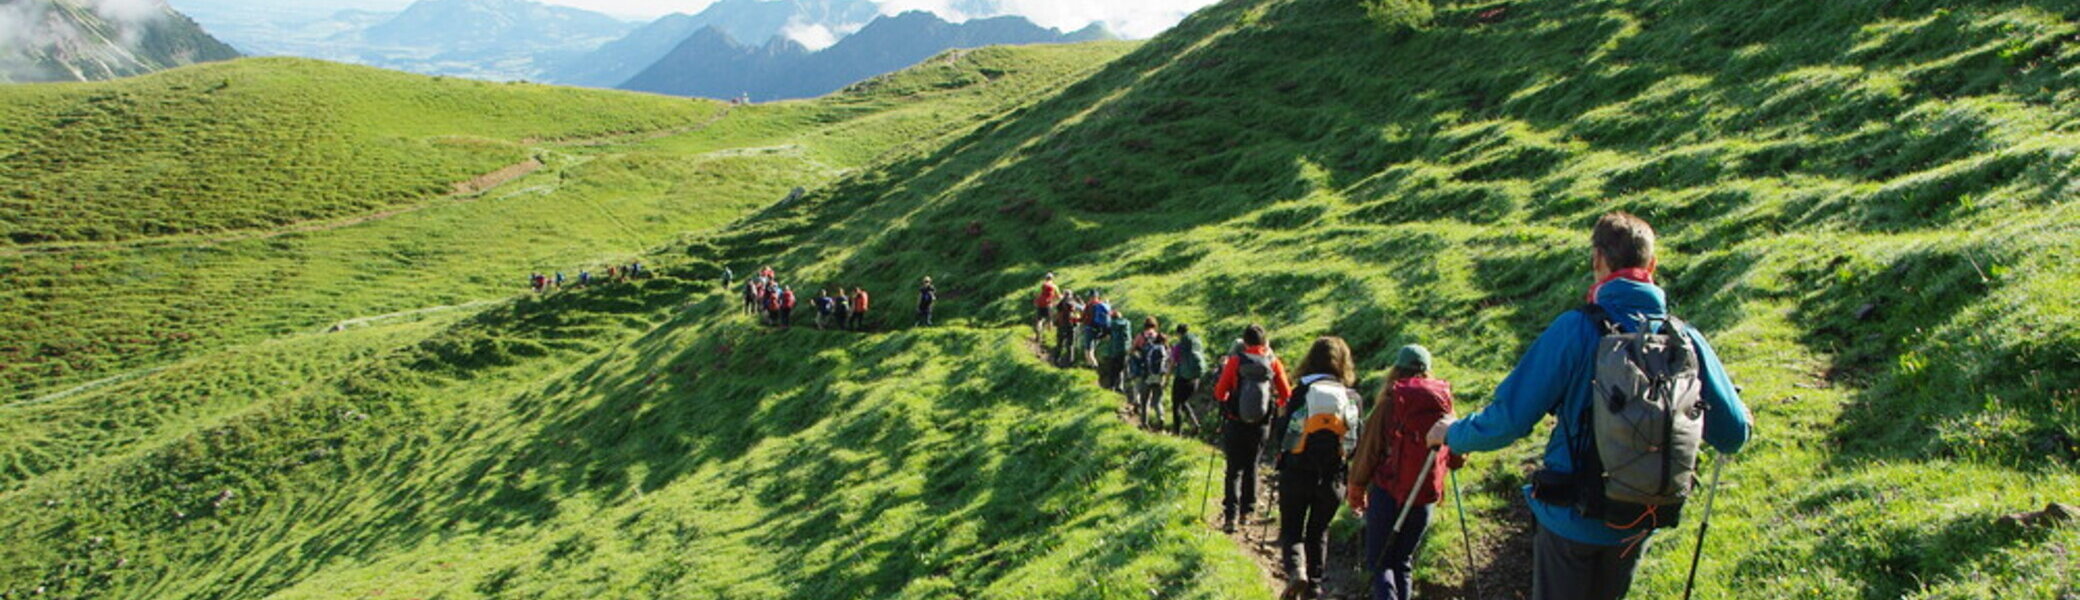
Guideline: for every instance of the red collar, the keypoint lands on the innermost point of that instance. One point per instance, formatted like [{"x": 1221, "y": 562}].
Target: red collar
[{"x": 1634, "y": 274}]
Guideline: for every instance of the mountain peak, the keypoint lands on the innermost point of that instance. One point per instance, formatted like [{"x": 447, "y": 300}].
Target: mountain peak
[{"x": 68, "y": 40}]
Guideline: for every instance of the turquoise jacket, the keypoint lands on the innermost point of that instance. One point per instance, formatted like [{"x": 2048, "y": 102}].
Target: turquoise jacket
[{"x": 1553, "y": 379}]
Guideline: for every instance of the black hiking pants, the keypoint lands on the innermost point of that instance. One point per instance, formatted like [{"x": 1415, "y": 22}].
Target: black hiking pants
[
  {"x": 1394, "y": 577},
  {"x": 1307, "y": 501},
  {"x": 1064, "y": 337},
  {"x": 1564, "y": 569},
  {"x": 859, "y": 321},
  {"x": 924, "y": 314},
  {"x": 1241, "y": 443},
  {"x": 1181, "y": 391},
  {"x": 787, "y": 317}
]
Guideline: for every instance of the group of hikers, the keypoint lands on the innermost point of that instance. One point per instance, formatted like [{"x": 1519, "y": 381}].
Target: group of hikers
[
  {"x": 543, "y": 283},
  {"x": 1634, "y": 390},
  {"x": 1141, "y": 364},
  {"x": 774, "y": 302}
]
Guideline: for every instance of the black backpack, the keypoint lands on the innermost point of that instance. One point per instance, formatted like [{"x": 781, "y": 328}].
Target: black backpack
[
  {"x": 1155, "y": 359},
  {"x": 1252, "y": 396}
]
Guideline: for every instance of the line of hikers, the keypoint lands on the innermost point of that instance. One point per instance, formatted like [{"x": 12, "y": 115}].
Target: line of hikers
[
  {"x": 1635, "y": 391},
  {"x": 774, "y": 302},
  {"x": 544, "y": 283}
]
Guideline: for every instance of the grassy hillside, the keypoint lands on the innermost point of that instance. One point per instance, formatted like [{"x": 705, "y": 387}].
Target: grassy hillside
[
  {"x": 79, "y": 315},
  {"x": 266, "y": 142},
  {"x": 626, "y": 441},
  {"x": 1869, "y": 206}
]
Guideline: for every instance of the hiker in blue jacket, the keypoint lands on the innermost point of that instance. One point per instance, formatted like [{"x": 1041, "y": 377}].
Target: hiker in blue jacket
[{"x": 1577, "y": 555}]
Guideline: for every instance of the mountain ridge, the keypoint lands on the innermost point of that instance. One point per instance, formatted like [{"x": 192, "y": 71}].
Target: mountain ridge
[
  {"x": 65, "y": 40},
  {"x": 712, "y": 64}
]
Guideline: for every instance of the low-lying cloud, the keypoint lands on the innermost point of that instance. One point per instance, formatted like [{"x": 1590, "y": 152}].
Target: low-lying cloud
[{"x": 28, "y": 29}]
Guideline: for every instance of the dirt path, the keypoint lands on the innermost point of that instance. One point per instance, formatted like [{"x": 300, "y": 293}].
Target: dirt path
[{"x": 1503, "y": 563}]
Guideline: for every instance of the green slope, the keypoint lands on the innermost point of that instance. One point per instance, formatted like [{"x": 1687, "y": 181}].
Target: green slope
[
  {"x": 623, "y": 173},
  {"x": 1322, "y": 168},
  {"x": 265, "y": 142},
  {"x": 1867, "y": 204}
]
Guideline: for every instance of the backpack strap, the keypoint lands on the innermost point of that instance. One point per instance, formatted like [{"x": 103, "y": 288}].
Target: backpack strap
[{"x": 1604, "y": 323}]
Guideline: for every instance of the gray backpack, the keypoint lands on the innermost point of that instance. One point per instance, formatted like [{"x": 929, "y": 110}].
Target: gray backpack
[
  {"x": 1647, "y": 415},
  {"x": 1252, "y": 394}
]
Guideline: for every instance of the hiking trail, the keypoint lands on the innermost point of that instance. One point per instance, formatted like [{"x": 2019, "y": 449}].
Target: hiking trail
[{"x": 1504, "y": 565}]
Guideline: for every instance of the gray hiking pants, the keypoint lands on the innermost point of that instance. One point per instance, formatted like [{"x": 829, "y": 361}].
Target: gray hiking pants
[{"x": 1564, "y": 569}]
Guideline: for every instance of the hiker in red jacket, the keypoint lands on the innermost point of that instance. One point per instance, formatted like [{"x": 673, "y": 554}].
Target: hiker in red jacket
[
  {"x": 1387, "y": 463},
  {"x": 1043, "y": 306},
  {"x": 787, "y": 307},
  {"x": 1252, "y": 387},
  {"x": 859, "y": 309}
]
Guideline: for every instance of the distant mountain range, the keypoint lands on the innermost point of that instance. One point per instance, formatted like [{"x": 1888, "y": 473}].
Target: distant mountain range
[
  {"x": 714, "y": 65},
  {"x": 755, "y": 21},
  {"x": 69, "y": 40},
  {"x": 770, "y": 49}
]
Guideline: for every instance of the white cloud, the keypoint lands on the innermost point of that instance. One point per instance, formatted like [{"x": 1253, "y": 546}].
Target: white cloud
[
  {"x": 1137, "y": 19},
  {"x": 810, "y": 35},
  {"x": 128, "y": 11}
]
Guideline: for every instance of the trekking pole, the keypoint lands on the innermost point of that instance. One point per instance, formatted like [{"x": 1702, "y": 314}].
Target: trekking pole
[
  {"x": 1409, "y": 503},
  {"x": 1205, "y": 489},
  {"x": 1459, "y": 503},
  {"x": 1703, "y": 526}
]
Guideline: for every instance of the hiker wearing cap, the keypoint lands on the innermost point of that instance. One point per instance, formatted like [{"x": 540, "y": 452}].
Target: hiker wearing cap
[
  {"x": 1389, "y": 462},
  {"x": 1252, "y": 386},
  {"x": 926, "y": 296},
  {"x": 1592, "y": 512},
  {"x": 1313, "y": 435},
  {"x": 1043, "y": 304},
  {"x": 1187, "y": 366}
]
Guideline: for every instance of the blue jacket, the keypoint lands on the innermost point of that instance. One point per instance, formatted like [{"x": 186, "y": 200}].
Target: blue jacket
[{"x": 1553, "y": 379}]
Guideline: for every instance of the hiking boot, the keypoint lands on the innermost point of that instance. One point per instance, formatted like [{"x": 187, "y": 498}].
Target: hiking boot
[
  {"x": 1314, "y": 591},
  {"x": 1228, "y": 523},
  {"x": 1295, "y": 590}
]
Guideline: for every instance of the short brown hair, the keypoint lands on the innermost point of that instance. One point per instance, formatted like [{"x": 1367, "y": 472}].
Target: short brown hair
[
  {"x": 1625, "y": 241},
  {"x": 1330, "y": 356},
  {"x": 1148, "y": 323}
]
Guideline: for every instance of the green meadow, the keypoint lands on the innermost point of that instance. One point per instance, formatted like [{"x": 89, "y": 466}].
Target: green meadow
[{"x": 1868, "y": 205}]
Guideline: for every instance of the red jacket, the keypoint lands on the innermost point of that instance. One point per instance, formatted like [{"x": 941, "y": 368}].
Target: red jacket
[
  {"x": 1391, "y": 454},
  {"x": 859, "y": 301},
  {"x": 787, "y": 300},
  {"x": 1280, "y": 387},
  {"x": 1049, "y": 293}
]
